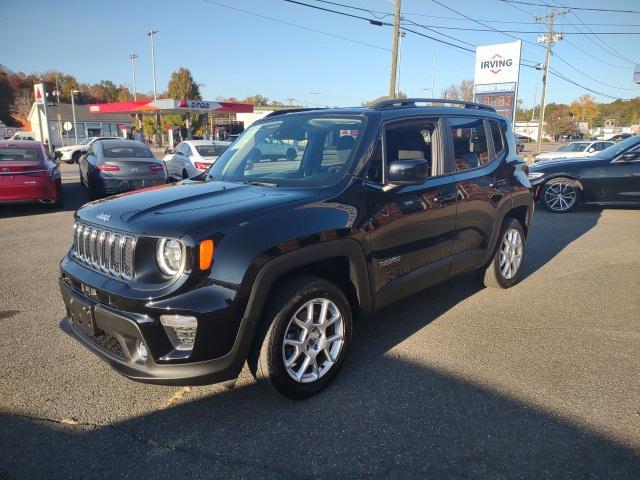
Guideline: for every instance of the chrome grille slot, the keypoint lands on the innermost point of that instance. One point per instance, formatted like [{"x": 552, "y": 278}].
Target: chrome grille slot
[
  {"x": 116, "y": 254},
  {"x": 104, "y": 250}
]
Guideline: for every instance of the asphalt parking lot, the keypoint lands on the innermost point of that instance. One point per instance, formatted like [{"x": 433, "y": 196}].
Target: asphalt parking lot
[{"x": 539, "y": 381}]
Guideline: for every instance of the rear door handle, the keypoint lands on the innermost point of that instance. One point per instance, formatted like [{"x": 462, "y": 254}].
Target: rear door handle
[
  {"x": 498, "y": 183},
  {"x": 446, "y": 198}
]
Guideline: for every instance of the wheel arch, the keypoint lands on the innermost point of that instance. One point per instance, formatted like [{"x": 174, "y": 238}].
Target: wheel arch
[
  {"x": 341, "y": 261},
  {"x": 557, "y": 176}
]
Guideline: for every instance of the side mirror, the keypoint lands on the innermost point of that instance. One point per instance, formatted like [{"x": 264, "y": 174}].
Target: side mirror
[
  {"x": 591, "y": 150},
  {"x": 173, "y": 178},
  {"x": 57, "y": 155},
  {"x": 630, "y": 156},
  {"x": 412, "y": 171}
]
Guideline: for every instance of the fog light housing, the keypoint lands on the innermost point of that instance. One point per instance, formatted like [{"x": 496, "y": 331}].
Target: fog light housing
[
  {"x": 143, "y": 353},
  {"x": 181, "y": 330}
]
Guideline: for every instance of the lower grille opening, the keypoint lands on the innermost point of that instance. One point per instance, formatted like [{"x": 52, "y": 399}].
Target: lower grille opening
[{"x": 109, "y": 343}]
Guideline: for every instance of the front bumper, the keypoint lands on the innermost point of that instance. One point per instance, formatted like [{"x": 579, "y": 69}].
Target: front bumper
[{"x": 115, "y": 335}]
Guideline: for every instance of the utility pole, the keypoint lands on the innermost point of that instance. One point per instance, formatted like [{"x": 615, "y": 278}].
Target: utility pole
[
  {"x": 151, "y": 34},
  {"x": 291, "y": 101},
  {"x": 133, "y": 57},
  {"x": 394, "y": 50},
  {"x": 550, "y": 38},
  {"x": 402, "y": 35},
  {"x": 73, "y": 112}
]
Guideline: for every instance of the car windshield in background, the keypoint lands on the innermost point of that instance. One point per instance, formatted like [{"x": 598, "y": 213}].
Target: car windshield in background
[
  {"x": 299, "y": 150},
  {"x": 618, "y": 148},
  {"x": 19, "y": 154},
  {"x": 127, "y": 152},
  {"x": 211, "y": 150},
  {"x": 574, "y": 147}
]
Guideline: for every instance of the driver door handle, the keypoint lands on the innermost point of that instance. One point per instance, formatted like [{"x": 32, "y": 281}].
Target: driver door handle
[{"x": 498, "y": 183}]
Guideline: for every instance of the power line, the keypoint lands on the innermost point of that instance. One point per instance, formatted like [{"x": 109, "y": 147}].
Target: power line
[
  {"x": 505, "y": 32},
  {"x": 298, "y": 26},
  {"x": 559, "y": 75},
  {"x": 535, "y": 4},
  {"x": 594, "y": 79},
  {"x": 345, "y": 14}
]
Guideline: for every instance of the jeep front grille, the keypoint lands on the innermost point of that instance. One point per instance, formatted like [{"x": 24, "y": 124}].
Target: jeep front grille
[{"x": 109, "y": 252}]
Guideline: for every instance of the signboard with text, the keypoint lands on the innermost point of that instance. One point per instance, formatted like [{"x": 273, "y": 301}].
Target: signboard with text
[{"x": 497, "y": 73}]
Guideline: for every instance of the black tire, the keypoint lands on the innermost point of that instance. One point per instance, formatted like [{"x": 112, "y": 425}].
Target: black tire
[
  {"x": 291, "y": 154},
  {"x": 492, "y": 275},
  {"x": 266, "y": 360},
  {"x": 550, "y": 195}
]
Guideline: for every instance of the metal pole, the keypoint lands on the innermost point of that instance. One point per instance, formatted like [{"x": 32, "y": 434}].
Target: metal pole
[
  {"x": 402, "y": 34},
  {"x": 73, "y": 112},
  {"x": 394, "y": 50},
  {"x": 155, "y": 94},
  {"x": 133, "y": 57}
]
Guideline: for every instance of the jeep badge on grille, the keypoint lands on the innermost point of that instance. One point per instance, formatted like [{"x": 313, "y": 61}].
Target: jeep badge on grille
[{"x": 104, "y": 217}]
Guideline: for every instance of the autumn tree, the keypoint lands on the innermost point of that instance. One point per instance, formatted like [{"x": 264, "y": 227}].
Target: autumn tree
[
  {"x": 462, "y": 91},
  {"x": 257, "y": 100},
  {"x": 181, "y": 85},
  {"x": 558, "y": 120},
  {"x": 585, "y": 109},
  {"x": 6, "y": 99}
]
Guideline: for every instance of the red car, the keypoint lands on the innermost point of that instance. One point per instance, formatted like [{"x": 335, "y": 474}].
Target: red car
[{"x": 28, "y": 175}]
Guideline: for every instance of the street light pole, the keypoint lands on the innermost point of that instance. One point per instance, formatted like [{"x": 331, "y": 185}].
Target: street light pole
[
  {"x": 133, "y": 57},
  {"x": 151, "y": 34},
  {"x": 73, "y": 112}
]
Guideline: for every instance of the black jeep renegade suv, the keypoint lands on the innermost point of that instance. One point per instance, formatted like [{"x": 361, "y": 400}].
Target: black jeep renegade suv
[{"x": 268, "y": 260}]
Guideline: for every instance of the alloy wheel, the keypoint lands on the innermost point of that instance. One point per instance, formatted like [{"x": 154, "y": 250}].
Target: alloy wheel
[
  {"x": 313, "y": 340},
  {"x": 560, "y": 197},
  {"x": 511, "y": 251}
]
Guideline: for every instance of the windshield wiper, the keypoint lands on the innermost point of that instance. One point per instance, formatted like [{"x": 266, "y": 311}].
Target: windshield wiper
[{"x": 260, "y": 184}]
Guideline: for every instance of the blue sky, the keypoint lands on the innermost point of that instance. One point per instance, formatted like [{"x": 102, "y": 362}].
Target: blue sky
[{"x": 238, "y": 54}]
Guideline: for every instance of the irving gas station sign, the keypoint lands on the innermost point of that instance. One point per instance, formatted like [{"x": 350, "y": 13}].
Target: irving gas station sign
[{"x": 496, "y": 76}]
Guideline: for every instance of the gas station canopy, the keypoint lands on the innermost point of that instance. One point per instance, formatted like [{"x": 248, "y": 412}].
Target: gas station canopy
[{"x": 170, "y": 106}]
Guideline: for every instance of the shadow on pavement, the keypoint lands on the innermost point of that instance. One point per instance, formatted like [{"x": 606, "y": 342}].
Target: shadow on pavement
[
  {"x": 553, "y": 232},
  {"x": 384, "y": 417}
]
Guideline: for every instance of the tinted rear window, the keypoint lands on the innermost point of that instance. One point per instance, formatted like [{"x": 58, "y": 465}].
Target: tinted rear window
[
  {"x": 127, "y": 152},
  {"x": 211, "y": 150},
  {"x": 19, "y": 154}
]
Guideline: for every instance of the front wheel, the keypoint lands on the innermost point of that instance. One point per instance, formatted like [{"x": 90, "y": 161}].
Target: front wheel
[
  {"x": 560, "y": 195},
  {"x": 291, "y": 154},
  {"x": 503, "y": 270},
  {"x": 305, "y": 339}
]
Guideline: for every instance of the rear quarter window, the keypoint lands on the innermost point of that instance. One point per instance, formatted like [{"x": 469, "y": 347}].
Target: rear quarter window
[{"x": 127, "y": 152}]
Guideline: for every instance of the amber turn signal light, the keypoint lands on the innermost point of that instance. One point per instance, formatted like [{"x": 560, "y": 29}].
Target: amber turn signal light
[{"x": 206, "y": 254}]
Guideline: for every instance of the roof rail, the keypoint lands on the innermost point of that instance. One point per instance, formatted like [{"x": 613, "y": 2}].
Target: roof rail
[
  {"x": 275, "y": 113},
  {"x": 411, "y": 102}
]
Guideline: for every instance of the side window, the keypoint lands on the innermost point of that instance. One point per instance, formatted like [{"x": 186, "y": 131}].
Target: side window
[
  {"x": 187, "y": 150},
  {"x": 469, "y": 143},
  {"x": 374, "y": 173},
  {"x": 410, "y": 141},
  {"x": 497, "y": 134}
]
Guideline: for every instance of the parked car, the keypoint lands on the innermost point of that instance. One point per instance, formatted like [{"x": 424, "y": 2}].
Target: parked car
[
  {"x": 274, "y": 149},
  {"x": 28, "y": 174},
  {"x": 71, "y": 153},
  {"x": 232, "y": 137},
  {"x": 609, "y": 177},
  {"x": 115, "y": 166},
  {"x": 574, "y": 150},
  {"x": 270, "y": 262},
  {"x": 192, "y": 157},
  {"x": 22, "y": 135}
]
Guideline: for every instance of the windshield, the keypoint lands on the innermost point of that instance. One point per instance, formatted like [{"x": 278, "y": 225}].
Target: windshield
[
  {"x": 211, "y": 150},
  {"x": 617, "y": 148},
  {"x": 19, "y": 154},
  {"x": 299, "y": 150},
  {"x": 574, "y": 147},
  {"x": 127, "y": 152}
]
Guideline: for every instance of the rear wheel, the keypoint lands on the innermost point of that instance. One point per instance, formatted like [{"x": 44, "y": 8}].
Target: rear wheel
[
  {"x": 305, "y": 339},
  {"x": 75, "y": 157},
  {"x": 560, "y": 195},
  {"x": 291, "y": 154},
  {"x": 503, "y": 270}
]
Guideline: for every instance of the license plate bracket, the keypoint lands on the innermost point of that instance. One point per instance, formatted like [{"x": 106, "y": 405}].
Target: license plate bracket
[{"x": 81, "y": 314}]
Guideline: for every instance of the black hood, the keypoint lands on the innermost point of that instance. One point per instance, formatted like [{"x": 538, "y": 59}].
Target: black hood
[
  {"x": 176, "y": 209},
  {"x": 543, "y": 164}
]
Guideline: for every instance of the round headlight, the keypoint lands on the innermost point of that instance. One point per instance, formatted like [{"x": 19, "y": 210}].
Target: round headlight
[{"x": 170, "y": 256}]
